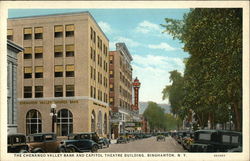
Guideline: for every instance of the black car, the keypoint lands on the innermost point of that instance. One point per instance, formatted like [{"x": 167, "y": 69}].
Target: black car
[
  {"x": 104, "y": 142},
  {"x": 216, "y": 141},
  {"x": 187, "y": 140},
  {"x": 17, "y": 143},
  {"x": 160, "y": 137},
  {"x": 180, "y": 135},
  {"x": 78, "y": 143},
  {"x": 121, "y": 139}
]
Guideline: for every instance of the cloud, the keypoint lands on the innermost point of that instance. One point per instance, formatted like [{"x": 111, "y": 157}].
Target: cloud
[
  {"x": 153, "y": 73},
  {"x": 106, "y": 28},
  {"x": 146, "y": 27},
  {"x": 163, "y": 46}
]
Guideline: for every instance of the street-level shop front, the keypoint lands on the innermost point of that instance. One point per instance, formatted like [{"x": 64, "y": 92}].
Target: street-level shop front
[{"x": 71, "y": 115}]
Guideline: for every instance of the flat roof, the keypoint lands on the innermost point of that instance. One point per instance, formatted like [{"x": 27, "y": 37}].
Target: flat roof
[{"x": 57, "y": 14}]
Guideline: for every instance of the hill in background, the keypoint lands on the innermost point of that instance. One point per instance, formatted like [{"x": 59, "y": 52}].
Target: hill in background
[{"x": 144, "y": 105}]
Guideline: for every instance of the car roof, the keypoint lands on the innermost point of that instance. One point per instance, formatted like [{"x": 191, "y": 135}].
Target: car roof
[
  {"x": 42, "y": 134},
  {"x": 16, "y": 134},
  {"x": 221, "y": 131}
]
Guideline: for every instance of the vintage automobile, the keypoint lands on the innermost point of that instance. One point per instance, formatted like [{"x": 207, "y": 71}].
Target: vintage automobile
[
  {"x": 91, "y": 135},
  {"x": 187, "y": 140},
  {"x": 78, "y": 143},
  {"x": 104, "y": 141},
  {"x": 82, "y": 142},
  {"x": 180, "y": 135},
  {"x": 121, "y": 139},
  {"x": 215, "y": 141},
  {"x": 44, "y": 143},
  {"x": 17, "y": 143},
  {"x": 160, "y": 138}
]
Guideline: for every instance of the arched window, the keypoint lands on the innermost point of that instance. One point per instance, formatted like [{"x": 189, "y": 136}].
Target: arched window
[
  {"x": 33, "y": 122},
  {"x": 105, "y": 124},
  {"x": 99, "y": 124},
  {"x": 93, "y": 121},
  {"x": 64, "y": 122}
]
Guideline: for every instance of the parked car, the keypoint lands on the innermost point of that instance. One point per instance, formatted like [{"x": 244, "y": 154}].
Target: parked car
[
  {"x": 91, "y": 135},
  {"x": 188, "y": 140},
  {"x": 17, "y": 143},
  {"x": 79, "y": 143},
  {"x": 216, "y": 141},
  {"x": 104, "y": 141},
  {"x": 160, "y": 138},
  {"x": 44, "y": 142},
  {"x": 180, "y": 135},
  {"x": 121, "y": 139}
]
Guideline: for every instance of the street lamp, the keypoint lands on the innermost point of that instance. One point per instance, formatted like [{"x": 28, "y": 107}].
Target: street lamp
[{"x": 53, "y": 114}]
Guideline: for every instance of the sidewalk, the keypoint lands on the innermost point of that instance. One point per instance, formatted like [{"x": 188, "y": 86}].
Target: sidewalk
[{"x": 113, "y": 141}]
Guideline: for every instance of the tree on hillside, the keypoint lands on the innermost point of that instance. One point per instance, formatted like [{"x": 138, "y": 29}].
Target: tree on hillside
[{"x": 213, "y": 73}]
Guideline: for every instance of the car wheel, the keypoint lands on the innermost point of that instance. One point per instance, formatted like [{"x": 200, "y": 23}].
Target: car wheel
[
  {"x": 23, "y": 151},
  {"x": 71, "y": 150},
  {"x": 62, "y": 150},
  {"x": 94, "y": 149},
  {"x": 39, "y": 151}
]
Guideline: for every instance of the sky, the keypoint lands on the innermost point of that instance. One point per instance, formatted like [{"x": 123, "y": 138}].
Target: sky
[{"x": 154, "y": 53}]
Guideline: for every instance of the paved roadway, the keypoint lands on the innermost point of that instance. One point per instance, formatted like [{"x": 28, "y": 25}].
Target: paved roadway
[{"x": 145, "y": 145}]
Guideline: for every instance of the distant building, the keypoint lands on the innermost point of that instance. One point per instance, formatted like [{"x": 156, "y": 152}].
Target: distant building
[
  {"x": 12, "y": 51},
  {"x": 120, "y": 83},
  {"x": 65, "y": 62}
]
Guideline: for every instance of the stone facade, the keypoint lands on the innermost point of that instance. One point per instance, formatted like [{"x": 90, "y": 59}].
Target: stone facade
[
  {"x": 65, "y": 62},
  {"x": 12, "y": 51}
]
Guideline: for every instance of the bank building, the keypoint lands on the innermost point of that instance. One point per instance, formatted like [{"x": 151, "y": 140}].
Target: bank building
[{"x": 62, "y": 74}]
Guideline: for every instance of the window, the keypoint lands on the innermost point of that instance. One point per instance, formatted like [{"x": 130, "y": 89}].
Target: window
[
  {"x": 38, "y": 72},
  {"x": 27, "y": 54},
  {"x": 10, "y": 34},
  {"x": 38, "y": 52},
  {"x": 27, "y": 72},
  {"x": 91, "y": 91},
  {"x": 70, "y": 90},
  {"x": 27, "y": 34},
  {"x": 70, "y": 70},
  {"x": 94, "y": 73},
  {"x": 64, "y": 122},
  {"x": 91, "y": 33},
  {"x": 69, "y": 30},
  {"x": 58, "y": 71},
  {"x": 111, "y": 100},
  {"x": 226, "y": 138},
  {"x": 38, "y": 33},
  {"x": 94, "y": 91},
  {"x": 94, "y": 37},
  {"x": 93, "y": 121},
  {"x": 235, "y": 139},
  {"x": 111, "y": 86},
  {"x": 99, "y": 124},
  {"x": 204, "y": 136},
  {"x": 38, "y": 91},
  {"x": 58, "y": 91},
  {"x": 58, "y": 50},
  {"x": 58, "y": 31},
  {"x": 94, "y": 55},
  {"x": 91, "y": 72},
  {"x": 33, "y": 122},
  {"x": 111, "y": 58},
  {"x": 105, "y": 124},
  {"x": 27, "y": 92},
  {"x": 91, "y": 53},
  {"x": 111, "y": 73},
  {"x": 69, "y": 50},
  {"x": 100, "y": 61}
]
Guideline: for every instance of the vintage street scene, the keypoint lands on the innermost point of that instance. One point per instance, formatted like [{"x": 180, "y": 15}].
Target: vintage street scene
[{"x": 125, "y": 80}]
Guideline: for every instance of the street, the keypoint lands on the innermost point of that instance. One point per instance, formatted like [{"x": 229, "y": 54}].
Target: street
[{"x": 145, "y": 145}]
